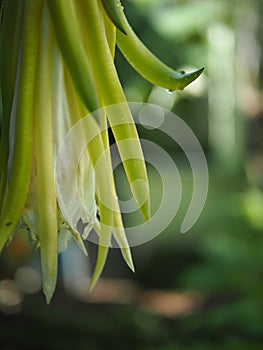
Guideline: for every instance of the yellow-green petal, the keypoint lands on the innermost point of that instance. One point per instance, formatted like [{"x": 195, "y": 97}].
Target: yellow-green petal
[
  {"x": 23, "y": 147},
  {"x": 120, "y": 119},
  {"x": 147, "y": 64},
  {"x": 46, "y": 193},
  {"x": 73, "y": 52}
]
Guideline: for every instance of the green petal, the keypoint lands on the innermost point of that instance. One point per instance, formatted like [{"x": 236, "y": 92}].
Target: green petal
[
  {"x": 23, "y": 148},
  {"x": 11, "y": 29},
  {"x": 104, "y": 243},
  {"x": 147, "y": 64},
  {"x": 119, "y": 234},
  {"x": 100, "y": 263},
  {"x": 120, "y": 117},
  {"x": 73, "y": 52},
  {"x": 46, "y": 193}
]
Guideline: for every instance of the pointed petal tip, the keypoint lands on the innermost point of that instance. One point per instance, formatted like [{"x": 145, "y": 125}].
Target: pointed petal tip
[
  {"x": 128, "y": 259},
  {"x": 146, "y": 211},
  {"x": 93, "y": 281},
  {"x": 147, "y": 217},
  {"x": 200, "y": 71},
  {"x": 81, "y": 245},
  {"x": 131, "y": 266},
  {"x": 100, "y": 263},
  {"x": 92, "y": 284},
  {"x": 48, "y": 299},
  {"x": 48, "y": 292},
  {"x": 188, "y": 78},
  {"x": 195, "y": 74}
]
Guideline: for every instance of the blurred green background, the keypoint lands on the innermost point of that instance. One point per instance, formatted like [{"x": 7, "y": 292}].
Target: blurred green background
[{"x": 201, "y": 290}]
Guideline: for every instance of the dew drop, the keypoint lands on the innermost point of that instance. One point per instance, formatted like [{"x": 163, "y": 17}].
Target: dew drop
[{"x": 170, "y": 91}]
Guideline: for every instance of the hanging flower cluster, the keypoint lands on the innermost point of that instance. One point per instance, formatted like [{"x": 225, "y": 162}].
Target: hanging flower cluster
[{"x": 57, "y": 66}]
